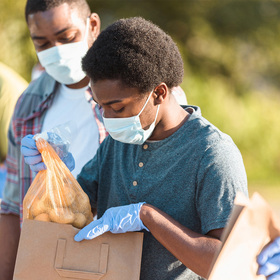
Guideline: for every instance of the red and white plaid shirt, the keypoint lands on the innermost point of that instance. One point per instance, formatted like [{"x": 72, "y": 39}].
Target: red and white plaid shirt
[{"x": 28, "y": 118}]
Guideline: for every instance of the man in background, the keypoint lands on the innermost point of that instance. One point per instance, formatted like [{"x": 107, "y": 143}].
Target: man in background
[{"x": 62, "y": 31}]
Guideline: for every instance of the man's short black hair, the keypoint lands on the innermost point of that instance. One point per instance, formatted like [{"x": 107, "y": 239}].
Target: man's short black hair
[
  {"x": 34, "y": 6},
  {"x": 138, "y": 53}
]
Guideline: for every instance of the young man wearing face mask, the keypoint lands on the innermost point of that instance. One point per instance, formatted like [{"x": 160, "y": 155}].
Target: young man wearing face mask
[{"x": 164, "y": 168}]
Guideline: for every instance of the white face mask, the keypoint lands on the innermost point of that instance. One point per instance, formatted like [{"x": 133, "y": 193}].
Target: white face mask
[
  {"x": 129, "y": 130},
  {"x": 64, "y": 63}
]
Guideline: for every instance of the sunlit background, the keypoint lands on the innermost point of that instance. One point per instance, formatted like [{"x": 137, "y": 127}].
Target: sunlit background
[{"x": 232, "y": 67}]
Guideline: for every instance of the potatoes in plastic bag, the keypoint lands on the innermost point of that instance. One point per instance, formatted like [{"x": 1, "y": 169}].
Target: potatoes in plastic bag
[{"x": 55, "y": 195}]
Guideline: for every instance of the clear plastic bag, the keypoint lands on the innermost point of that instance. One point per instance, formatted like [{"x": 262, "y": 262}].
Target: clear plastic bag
[
  {"x": 59, "y": 137},
  {"x": 55, "y": 195}
]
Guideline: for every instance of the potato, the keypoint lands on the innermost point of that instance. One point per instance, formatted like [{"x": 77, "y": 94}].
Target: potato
[
  {"x": 43, "y": 217},
  {"x": 63, "y": 197},
  {"x": 62, "y": 216},
  {"x": 37, "y": 208},
  {"x": 83, "y": 205},
  {"x": 80, "y": 220}
]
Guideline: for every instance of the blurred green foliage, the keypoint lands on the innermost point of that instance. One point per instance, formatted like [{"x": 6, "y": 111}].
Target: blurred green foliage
[
  {"x": 16, "y": 49},
  {"x": 232, "y": 65}
]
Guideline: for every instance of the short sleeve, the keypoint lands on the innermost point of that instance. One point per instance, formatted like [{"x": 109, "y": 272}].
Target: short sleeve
[{"x": 221, "y": 175}]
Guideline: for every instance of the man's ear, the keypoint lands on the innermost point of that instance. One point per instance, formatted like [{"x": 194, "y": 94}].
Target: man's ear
[
  {"x": 94, "y": 25},
  {"x": 161, "y": 92}
]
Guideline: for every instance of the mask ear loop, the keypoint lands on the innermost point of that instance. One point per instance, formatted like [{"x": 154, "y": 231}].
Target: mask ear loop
[
  {"x": 87, "y": 27},
  {"x": 156, "y": 115},
  {"x": 146, "y": 103}
]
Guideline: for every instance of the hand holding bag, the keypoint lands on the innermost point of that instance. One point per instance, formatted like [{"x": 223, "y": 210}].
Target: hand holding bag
[{"x": 55, "y": 195}]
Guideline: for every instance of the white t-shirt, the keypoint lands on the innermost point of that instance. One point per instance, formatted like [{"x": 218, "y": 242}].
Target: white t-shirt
[
  {"x": 70, "y": 105},
  {"x": 180, "y": 95}
]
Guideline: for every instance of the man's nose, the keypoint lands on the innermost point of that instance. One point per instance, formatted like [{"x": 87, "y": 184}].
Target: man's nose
[
  {"x": 57, "y": 44},
  {"x": 109, "y": 114}
]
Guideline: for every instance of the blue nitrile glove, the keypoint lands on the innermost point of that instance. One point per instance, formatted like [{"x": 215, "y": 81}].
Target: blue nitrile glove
[
  {"x": 33, "y": 158},
  {"x": 269, "y": 260},
  {"x": 116, "y": 219}
]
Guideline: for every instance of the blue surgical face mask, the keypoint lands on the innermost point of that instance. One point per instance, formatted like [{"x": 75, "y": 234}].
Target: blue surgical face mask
[
  {"x": 129, "y": 130},
  {"x": 64, "y": 63}
]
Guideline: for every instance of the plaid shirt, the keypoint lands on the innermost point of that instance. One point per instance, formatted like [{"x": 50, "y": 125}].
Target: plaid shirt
[{"x": 28, "y": 118}]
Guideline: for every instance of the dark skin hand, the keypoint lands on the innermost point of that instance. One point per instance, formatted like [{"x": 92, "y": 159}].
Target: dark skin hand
[{"x": 194, "y": 250}]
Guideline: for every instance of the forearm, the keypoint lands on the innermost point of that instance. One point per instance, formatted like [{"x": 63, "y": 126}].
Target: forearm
[
  {"x": 194, "y": 250},
  {"x": 9, "y": 238}
]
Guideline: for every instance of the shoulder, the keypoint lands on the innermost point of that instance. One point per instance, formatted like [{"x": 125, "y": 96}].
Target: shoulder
[
  {"x": 33, "y": 96},
  {"x": 206, "y": 141},
  {"x": 197, "y": 130},
  {"x": 204, "y": 132},
  {"x": 41, "y": 86},
  {"x": 219, "y": 153}
]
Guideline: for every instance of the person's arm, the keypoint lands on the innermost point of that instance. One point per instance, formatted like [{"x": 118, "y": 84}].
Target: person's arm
[
  {"x": 33, "y": 157},
  {"x": 9, "y": 238},
  {"x": 194, "y": 250},
  {"x": 10, "y": 211}
]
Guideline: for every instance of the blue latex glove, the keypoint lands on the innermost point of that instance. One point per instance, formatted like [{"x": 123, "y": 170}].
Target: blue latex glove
[
  {"x": 269, "y": 260},
  {"x": 116, "y": 219},
  {"x": 33, "y": 158}
]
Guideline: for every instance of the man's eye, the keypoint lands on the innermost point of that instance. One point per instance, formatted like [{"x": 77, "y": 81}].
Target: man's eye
[
  {"x": 42, "y": 46},
  {"x": 67, "y": 39},
  {"x": 119, "y": 110}
]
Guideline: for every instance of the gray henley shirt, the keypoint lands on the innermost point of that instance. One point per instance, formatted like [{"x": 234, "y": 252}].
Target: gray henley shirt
[{"x": 193, "y": 176}]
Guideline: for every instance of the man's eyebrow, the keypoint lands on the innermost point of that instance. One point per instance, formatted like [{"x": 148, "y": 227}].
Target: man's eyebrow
[
  {"x": 107, "y": 103},
  {"x": 34, "y": 37},
  {"x": 112, "y": 102}
]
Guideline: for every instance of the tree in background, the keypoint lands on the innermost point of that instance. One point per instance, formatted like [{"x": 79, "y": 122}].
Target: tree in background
[
  {"x": 16, "y": 49},
  {"x": 231, "y": 58},
  {"x": 236, "y": 40}
]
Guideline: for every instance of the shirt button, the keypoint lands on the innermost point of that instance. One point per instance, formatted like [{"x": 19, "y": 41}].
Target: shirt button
[
  {"x": 141, "y": 164},
  {"x": 134, "y": 183},
  {"x": 145, "y": 147}
]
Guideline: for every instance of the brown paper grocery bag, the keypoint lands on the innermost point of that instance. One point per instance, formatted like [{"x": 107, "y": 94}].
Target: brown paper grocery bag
[
  {"x": 47, "y": 251},
  {"x": 251, "y": 226}
]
